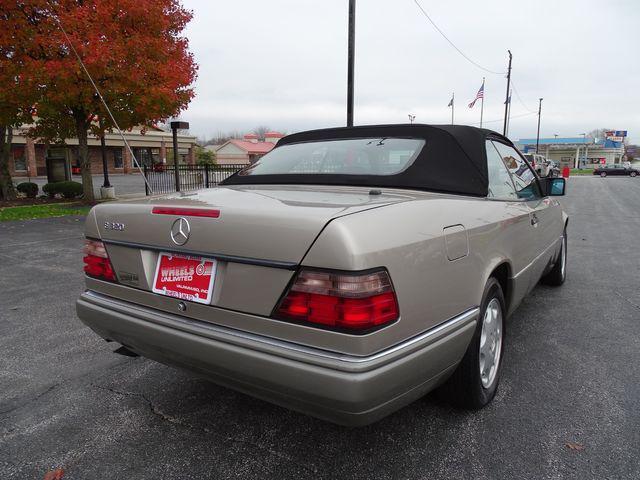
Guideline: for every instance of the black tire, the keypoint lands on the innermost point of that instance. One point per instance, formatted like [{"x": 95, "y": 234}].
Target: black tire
[
  {"x": 558, "y": 273},
  {"x": 464, "y": 388},
  {"x": 633, "y": 174},
  {"x": 603, "y": 174}
]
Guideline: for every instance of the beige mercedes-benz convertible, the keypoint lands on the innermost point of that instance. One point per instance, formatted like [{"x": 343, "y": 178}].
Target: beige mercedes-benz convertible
[{"x": 345, "y": 274}]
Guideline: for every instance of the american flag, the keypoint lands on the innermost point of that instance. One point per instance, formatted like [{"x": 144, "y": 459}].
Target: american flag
[{"x": 479, "y": 95}]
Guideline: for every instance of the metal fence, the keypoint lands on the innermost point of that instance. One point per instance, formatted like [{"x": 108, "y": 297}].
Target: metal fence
[{"x": 162, "y": 178}]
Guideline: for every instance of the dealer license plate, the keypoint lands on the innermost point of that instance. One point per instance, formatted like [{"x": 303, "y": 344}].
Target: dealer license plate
[{"x": 185, "y": 277}]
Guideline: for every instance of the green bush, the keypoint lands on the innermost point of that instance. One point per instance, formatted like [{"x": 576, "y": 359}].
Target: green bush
[
  {"x": 66, "y": 189},
  {"x": 29, "y": 189},
  {"x": 50, "y": 189}
]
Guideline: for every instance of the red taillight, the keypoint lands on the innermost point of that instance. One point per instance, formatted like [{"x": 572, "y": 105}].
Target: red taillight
[
  {"x": 186, "y": 212},
  {"x": 96, "y": 261},
  {"x": 340, "y": 300}
]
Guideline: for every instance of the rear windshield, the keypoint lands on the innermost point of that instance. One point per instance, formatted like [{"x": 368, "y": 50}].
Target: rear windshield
[{"x": 357, "y": 156}]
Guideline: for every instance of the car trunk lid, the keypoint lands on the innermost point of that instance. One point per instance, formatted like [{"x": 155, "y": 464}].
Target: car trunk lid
[{"x": 276, "y": 224}]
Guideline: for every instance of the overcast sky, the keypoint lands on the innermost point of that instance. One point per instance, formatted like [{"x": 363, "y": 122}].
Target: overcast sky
[{"x": 282, "y": 63}]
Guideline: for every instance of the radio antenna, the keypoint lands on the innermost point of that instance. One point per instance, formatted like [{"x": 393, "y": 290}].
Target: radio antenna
[{"x": 95, "y": 87}]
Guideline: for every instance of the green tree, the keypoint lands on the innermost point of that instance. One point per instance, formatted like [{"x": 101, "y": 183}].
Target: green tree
[{"x": 204, "y": 156}]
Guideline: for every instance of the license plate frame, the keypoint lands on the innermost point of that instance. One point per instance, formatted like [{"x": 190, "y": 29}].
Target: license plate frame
[{"x": 184, "y": 277}]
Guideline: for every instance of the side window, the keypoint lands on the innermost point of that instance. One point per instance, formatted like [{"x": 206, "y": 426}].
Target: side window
[
  {"x": 523, "y": 177},
  {"x": 500, "y": 184}
]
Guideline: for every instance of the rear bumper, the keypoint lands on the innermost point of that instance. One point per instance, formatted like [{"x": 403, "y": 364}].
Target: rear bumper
[{"x": 345, "y": 389}]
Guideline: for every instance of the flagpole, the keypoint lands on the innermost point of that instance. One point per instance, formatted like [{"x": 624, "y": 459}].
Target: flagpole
[
  {"x": 482, "y": 103},
  {"x": 453, "y": 105}
]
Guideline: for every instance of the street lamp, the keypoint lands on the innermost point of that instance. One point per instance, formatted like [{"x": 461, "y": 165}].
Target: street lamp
[
  {"x": 555, "y": 135},
  {"x": 411, "y": 118},
  {"x": 175, "y": 126}
]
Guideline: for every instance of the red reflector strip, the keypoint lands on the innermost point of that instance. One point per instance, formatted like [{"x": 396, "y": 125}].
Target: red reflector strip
[{"x": 186, "y": 212}]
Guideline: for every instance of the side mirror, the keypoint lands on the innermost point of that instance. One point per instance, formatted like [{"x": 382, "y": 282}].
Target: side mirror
[{"x": 553, "y": 186}]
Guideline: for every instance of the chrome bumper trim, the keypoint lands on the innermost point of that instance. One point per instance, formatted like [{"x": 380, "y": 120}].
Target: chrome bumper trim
[{"x": 453, "y": 323}]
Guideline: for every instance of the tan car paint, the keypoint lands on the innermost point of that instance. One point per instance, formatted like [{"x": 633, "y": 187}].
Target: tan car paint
[
  {"x": 345, "y": 378},
  {"x": 405, "y": 237}
]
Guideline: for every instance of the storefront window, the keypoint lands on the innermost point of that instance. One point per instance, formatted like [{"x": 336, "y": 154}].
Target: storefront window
[
  {"x": 147, "y": 156},
  {"x": 182, "y": 156},
  {"x": 19, "y": 160},
  {"x": 117, "y": 158}
]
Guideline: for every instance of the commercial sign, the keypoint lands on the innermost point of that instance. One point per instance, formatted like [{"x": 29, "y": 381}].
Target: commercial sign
[{"x": 616, "y": 135}]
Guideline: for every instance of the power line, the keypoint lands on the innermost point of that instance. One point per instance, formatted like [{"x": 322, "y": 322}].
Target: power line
[
  {"x": 453, "y": 44},
  {"x": 520, "y": 99},
  {"x": 501, "y": 119}
]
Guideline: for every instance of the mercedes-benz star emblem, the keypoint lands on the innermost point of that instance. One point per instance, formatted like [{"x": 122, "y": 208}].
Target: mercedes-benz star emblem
[{"x": 180, "y": 231}]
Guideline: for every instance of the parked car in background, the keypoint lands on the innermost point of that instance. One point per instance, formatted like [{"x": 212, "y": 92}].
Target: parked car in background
[
  {"x": 540, "y": 164},
  {"x": 616, "y": 169},
  {"x": 554, "y": 169},
  {"x": 344, "y": 274}
]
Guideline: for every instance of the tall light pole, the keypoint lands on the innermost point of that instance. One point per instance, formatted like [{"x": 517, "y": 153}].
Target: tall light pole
[
  {"x": 586, "y": 149},
  {"x": 411, "y": 118},
  {"x": 506, "y": 100},
  {"x": 538, "y": 134},
  {"x": 350, "y": 60},
  {"x": 175, "y": 126}
]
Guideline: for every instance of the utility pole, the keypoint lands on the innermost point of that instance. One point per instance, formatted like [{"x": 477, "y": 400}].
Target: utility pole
[
  {"x": 538, "y": 135},
  {"x": 506, "y": 100},
  {"x": 350, "y": 60},
  {"x": 508, "y": 114}
]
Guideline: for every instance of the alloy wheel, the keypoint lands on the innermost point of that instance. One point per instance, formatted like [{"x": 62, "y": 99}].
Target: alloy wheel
[{"x": 490, "y": 342}]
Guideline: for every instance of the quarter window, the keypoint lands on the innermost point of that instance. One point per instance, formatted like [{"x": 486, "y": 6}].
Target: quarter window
[
  {"x": 522, "y": 175},
  {"x": 500, "y": 184}
]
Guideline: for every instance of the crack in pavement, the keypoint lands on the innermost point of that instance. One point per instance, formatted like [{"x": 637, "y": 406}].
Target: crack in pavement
[
  {"x": 27, "y": 402},
  {"x": 627, "y": 300},
  {"x": 159, "y": 413}
]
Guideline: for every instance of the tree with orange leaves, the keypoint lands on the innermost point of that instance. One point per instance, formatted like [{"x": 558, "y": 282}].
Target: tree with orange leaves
[{"x": 134, "y": 51}]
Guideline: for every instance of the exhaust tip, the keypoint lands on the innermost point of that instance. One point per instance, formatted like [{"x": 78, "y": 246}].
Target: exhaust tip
[{"x": 126, "y": 352}]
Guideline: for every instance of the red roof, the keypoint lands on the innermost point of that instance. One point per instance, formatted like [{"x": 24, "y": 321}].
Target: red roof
[
  {"x": 250, "y": 135},
  {"x": 274, "y": 134},
  {"x": 253, "y": 148}
]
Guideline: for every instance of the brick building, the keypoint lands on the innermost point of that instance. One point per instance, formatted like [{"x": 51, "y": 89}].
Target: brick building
[
  {"x": 32, "y": 158},
  {"x": 247, "y": 150}
]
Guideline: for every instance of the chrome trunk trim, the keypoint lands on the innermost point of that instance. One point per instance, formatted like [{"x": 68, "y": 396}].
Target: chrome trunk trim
[{"x": 218, "y": 256}]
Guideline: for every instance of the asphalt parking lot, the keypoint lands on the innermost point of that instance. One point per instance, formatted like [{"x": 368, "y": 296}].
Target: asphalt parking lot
[{"x": 568, "y": 405}]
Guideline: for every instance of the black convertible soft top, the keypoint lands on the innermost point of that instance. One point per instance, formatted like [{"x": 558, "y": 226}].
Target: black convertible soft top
[{"x": 453, "y": 159}]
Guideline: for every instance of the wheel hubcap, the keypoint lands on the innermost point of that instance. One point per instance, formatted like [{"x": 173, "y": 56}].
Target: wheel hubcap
[{"x": 490, "y": 342}]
